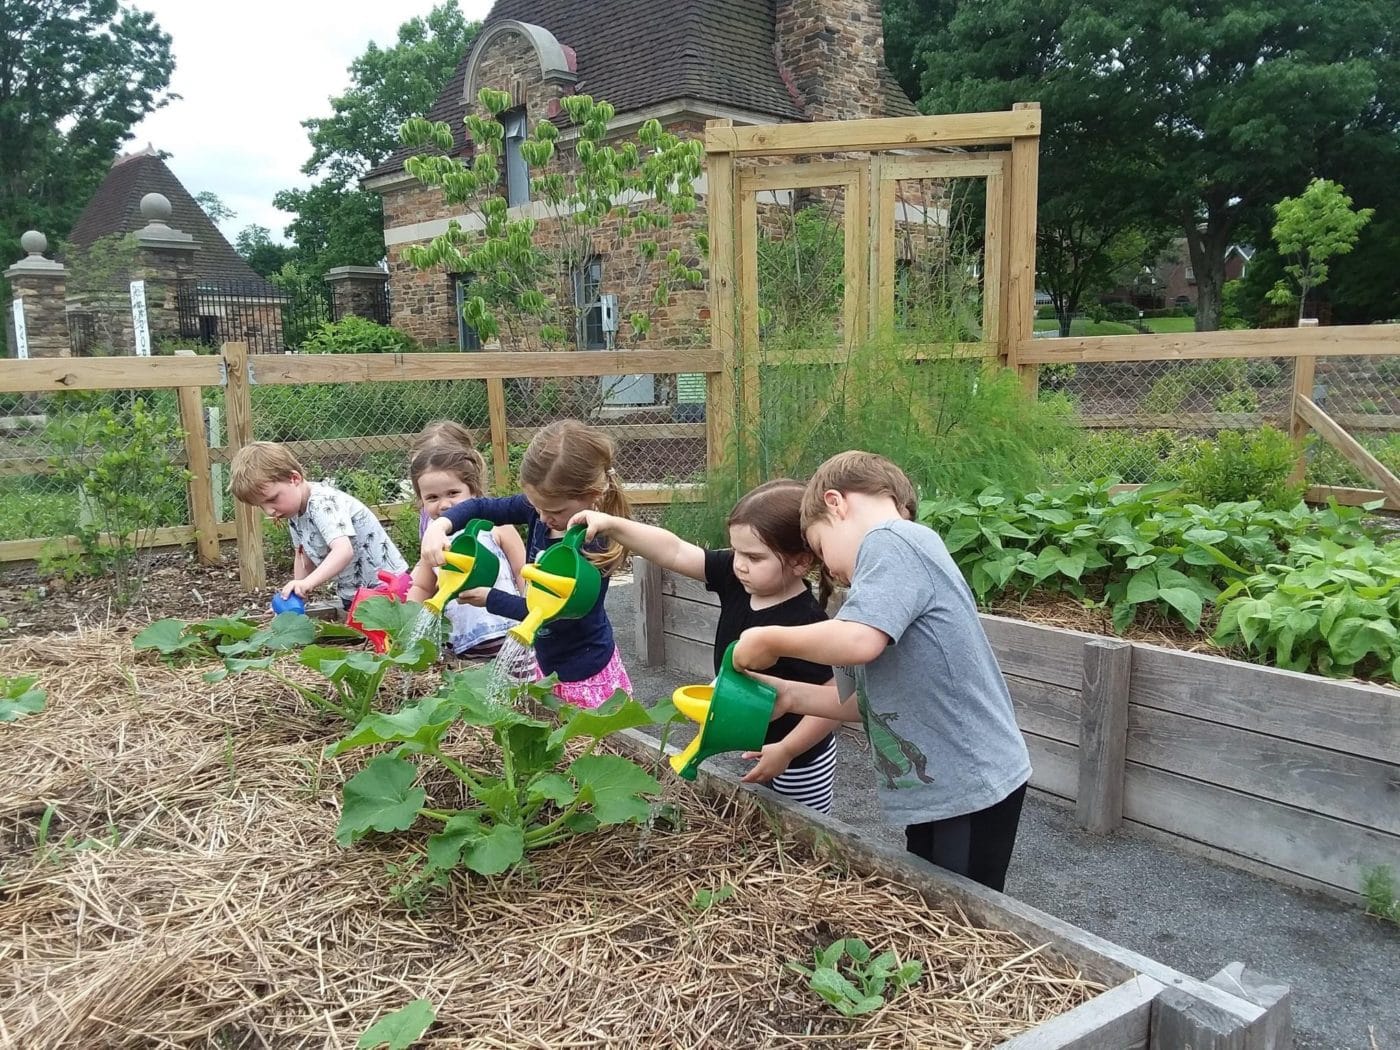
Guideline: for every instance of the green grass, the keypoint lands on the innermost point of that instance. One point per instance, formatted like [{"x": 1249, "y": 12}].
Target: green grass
[
  {"x": 1171, "y": 324},
  {"x": 1079, "y": 326}
]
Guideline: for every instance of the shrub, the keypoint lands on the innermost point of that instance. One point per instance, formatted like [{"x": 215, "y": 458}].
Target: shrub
[
  {"x": 1167, "y": 393},
  {"x": 1046, "y": 312},
  {"x": 1261, "y": 373},
  {"x": 1242, "y": 400},
  {"x": 1236, "y": 466},
  {"x": 1135, "y": 459},
  {"x": 1118, "y": 311},
  {"x": 358, "y": 335},
  {"x": 1057, "y": 377}
]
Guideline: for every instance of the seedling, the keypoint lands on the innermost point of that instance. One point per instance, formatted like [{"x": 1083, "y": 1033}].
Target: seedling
[
  {"x": 705, "y": 899},
  {"x": 400, "y": 1029},
  {"x": 19, "y": 696},
  {"x": 853, "y": 982},
  {"x": 1378, "y": 887}
]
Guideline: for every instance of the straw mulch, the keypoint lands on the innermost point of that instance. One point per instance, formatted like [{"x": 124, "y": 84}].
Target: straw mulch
[{"x": 226, "y": 916}]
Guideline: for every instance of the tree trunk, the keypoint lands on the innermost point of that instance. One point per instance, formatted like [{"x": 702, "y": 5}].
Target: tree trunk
[{"x": 1207, "y": 246}]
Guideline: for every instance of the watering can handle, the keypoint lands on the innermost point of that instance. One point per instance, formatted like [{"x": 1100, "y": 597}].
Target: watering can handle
[
  {"x": 575, "y": 537},
  {"x": 477, "y": 525}
]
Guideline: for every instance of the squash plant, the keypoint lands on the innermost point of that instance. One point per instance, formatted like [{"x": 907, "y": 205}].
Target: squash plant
[{"x": 532, "y": 797}]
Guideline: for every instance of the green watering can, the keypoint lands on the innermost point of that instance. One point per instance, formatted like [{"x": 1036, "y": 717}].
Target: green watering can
[
  {"x": 562, "y": 584},
  {"x": 469, "y": 563},
  {"x": 733, "y": 715}
]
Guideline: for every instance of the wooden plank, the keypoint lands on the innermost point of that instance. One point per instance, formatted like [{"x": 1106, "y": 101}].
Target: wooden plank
[
  {"x": 1274, "y": 997},
  {"x": 750, "y": 351},
  {"x": 1050, "y": 710},
  {"x": 994, "y": 266},
  {"x": 1103, "y": 734},
  {"x": 1352, "y": 450},
  {"x": 1054, "y": 766},
  {"x": 654, "y": 495},
  {"x": 854, "y": 136},
  {"x": 1304, "y": 378},
  {"x": 201, "y": 496},
  {"x": 238, "y": 410},
  {"x": 883, "y": 241},
  {"x": 1022, "y": 185},
  {"x": 1182, "y": 1022},
  {"x": 1175, "y": 421},
  {"x": 1049, "y": 654},
  {"x": 1345, "y": 341},
  {"x": 165, "y": 536},
  {"x": 720, "y": 392},
  {"x": 651, "y": 635},
  {"x": 1349, "y": 497},
  {"x": 500, "y": 447},
  {"x": 54, "y": 375},
  {"x": 967, "y": 166},
  {"x": 839, "y": 355},
  {"x": 1353, "y": 717},
  {"x": 1348, "y": 787},
  {"x": 692, "y": 660},
  {"x": 291, "y": 369},
  {"x": 855, "y": 267},
  {"x": 1295, "y": 840},
  {"x": 687, "y": 619},
  {"x": 1119, "y": 1018},
  {"x": 679, "y": 586},
  {"x": 796, "y": 176},
  {"x": 1366, "y": 421}
]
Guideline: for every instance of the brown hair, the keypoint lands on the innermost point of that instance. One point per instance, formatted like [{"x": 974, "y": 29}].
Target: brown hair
[
  {"x": 259, "y": 464},
  {"x": 571, "y": 460},
  {"x": 441, "y": 432},
  {"x": 774, "y": 511},
  {"x": 863, "y": 472},
  {"x": 461, "y": 461}
]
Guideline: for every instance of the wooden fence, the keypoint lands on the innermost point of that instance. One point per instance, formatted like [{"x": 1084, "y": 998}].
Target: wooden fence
[
  {"x": 235, "y": 372},
  {"x": 1288, "y": 774}
]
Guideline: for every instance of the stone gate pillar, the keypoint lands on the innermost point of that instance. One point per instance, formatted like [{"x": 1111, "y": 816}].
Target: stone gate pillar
[
  {"x": 38, "y": 303},
  {"x": 359, "y": 290},
  {"x": 166, "y": 259}
]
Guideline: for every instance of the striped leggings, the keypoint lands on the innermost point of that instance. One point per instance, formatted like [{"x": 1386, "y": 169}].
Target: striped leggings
[{"x": 812, "y": 785}]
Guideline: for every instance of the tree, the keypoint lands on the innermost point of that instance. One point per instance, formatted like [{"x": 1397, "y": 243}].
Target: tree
[
  {"x": 1310, "y": 229},
  {"x": 214, "y": 206},
  {"x": 262, "y": 253},
  {"x": 1091, "y": 206},
  {"x": 75, "y": 77},
  {"x": 337, "y": 223}
]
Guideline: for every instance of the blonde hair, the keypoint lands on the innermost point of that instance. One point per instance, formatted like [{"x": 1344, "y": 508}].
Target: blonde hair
[
  {"x": 259, "y": 464},
  {"x": 461, "y": 461},
  {"x": 863, "y": 472},
  {"x": 570, "y": 460}
]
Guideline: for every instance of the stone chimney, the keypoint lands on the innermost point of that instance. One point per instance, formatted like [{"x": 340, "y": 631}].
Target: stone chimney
[{"x": 831, "y": 52}]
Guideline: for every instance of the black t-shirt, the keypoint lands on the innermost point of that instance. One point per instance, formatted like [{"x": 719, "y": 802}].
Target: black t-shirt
[{"x": 737, "y": 614}]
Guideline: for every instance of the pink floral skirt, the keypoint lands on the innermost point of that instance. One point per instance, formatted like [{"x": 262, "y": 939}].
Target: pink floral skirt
[{"x": 593, "y": 692}]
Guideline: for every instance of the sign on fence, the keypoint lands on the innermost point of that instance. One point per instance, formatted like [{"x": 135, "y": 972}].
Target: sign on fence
[
  {"x": 21, "y": 336},
  {"x": 139, "y": 322}
]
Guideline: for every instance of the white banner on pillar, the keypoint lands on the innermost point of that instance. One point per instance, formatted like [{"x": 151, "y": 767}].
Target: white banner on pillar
[
  {"x": 21, "y": 334},
  {"x": 139, "y": 322}
]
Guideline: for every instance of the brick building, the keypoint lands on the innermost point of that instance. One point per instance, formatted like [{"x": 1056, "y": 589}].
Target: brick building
[{"x": 681, "y": 62}]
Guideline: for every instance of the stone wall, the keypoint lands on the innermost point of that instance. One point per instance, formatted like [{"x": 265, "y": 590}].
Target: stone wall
[{"x": 831, "y": 52}]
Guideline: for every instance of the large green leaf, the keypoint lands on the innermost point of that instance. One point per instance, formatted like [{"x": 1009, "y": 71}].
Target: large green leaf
[
  {"x": 167, "y": 637},
  {"x": 420, "y": 725},
  {"x": 381, "y": 797},
  {"x": 612, "y": 785},
  {"x": 499, "y": 848},
  {"x": 615, "y": 714},
  {"x": 1143, "y": 586},
  {"x": 445, "y": 847},
  {"x": 1185, "y": 601},
  {"x": 400, "y": 1029},
  {"x": 19, "y": 696},
  {"x": 531, "y": 747},
  {"x": 551, "y": 787},
  {"x": 284, "y": 631},
  {"x": 230, "y": 628},
  {"x": 395, "y": 618}
]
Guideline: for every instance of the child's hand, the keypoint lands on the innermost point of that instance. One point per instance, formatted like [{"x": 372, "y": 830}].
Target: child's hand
[
  {"x": 434, "y": 542},
  {"x": 773, "y": 761},
  {"x": 783, "y": 704},
  {"x": 597, "y": 522},
  {"x": 755, "y": 650},
  {"x": 297, "y": 587},
  {"x": 474, "y": 596}
]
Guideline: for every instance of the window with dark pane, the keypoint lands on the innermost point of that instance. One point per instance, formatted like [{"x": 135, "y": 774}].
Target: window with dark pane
[
  {"x": 588, "y": 284},
  {"x": 467, "y": 339},
  {"x": 517, "y": 171}
]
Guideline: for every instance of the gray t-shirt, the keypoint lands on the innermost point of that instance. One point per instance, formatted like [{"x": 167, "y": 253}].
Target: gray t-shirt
[
  {"x": 942, "y": 730},
  {"x": 330, "y": 514}
]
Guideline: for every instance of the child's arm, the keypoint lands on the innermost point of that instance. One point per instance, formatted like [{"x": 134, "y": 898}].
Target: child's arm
[
  {"x": 338, "y": 558},
  {"x": 424, "y": 583},
  {"x": 774, "y": 758},
  {"x": 802, "y": 698},
  {"x": 654, "y": 544},
  {"x": 513, "y": 547},
  {"x": 840, "y": 643},
  {"x": 511, "y": 510}
]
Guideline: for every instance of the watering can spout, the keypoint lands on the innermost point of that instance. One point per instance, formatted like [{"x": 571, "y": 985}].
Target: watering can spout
[{"x": 563, "y": 583}]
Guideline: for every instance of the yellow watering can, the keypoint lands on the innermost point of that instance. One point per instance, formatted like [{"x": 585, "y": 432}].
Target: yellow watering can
[
  {"x": 733, "y": 714},
  {"x": 562, "y": 584}
]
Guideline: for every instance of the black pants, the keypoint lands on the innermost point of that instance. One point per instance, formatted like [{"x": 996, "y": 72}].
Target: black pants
[{"x": 977, "y": 845}]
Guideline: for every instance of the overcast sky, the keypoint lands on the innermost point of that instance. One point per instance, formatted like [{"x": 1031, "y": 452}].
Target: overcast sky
[{"x": 249, "y": 74}]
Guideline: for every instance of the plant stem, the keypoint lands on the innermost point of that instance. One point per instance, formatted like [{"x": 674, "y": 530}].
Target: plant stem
[
  {"x": 456, "y": 768},
  {"x": 437, "y": 814},
  {"x": 541, "y": 833},
  {"x": 310, "y": 695}
]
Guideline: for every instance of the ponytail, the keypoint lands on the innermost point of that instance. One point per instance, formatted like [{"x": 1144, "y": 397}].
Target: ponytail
[{"x": 613, "y": 501}]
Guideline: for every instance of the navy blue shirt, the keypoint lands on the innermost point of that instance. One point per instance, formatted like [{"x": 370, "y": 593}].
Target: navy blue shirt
[{"x": 575, "y": 650}]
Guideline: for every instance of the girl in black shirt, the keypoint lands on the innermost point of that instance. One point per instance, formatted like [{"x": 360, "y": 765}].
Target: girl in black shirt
[{"x": 760, "y": 581}]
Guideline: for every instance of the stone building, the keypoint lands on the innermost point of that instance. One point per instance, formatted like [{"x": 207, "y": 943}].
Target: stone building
[{"x": 682, "y": 62}]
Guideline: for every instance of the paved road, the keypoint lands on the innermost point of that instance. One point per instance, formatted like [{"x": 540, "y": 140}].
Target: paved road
[{"x": 1192, "y": 914}]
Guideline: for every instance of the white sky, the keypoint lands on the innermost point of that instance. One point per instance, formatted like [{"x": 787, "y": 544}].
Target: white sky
[{"x": 248, "y": 75}]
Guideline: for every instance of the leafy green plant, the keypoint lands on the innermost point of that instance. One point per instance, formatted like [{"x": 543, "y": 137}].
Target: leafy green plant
[
  {"x": 1135, "y": 459},
  {"x": 178, "y": 642},
  {"x": 1167, "y": 393},
  {"x": 536, "y": 796},
  {"x": 848, "y": 978},
  {"x": 1242, "y": 465},
  {"x": 400, "y": 1029},
  {"x": 119, "y": 455},
  {"x": 358, "y": 335},
  {"x": 1242, "y": 400},
  {"x": 1378, "y": 887},
  {"x": 20, "y": 696},
  {"x": 705, "y": 898},
  {"x": 1261, "y": 373}
]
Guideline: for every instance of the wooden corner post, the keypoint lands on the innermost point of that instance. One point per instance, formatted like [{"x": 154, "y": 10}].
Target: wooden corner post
[
  {"x": 238, "y": 405},
  {"x": 1018, "y": 288},
  {"x": 201, "y": 492},
  {"x": 1103, "y": 734},
  {"x": 721, "y": 390}
]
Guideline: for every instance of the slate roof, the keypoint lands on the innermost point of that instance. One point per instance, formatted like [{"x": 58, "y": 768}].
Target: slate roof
[
  {"x": 639, "y": 53},
  {"x": 116, "y": 208}
]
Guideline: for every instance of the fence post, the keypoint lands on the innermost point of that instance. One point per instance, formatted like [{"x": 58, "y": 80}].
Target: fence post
[
  {"x": 1304, "y": 369},
  {"x": 205, "y": 521},
  {"x": 651, "y": 636},
  {"x": 721, "y": 393},
  {"x": 500, "y": 438},
  {"x": 238, "y": 407},
  {"x": 1019, "y": 287},
  {"x": 1103, "y": 734}
]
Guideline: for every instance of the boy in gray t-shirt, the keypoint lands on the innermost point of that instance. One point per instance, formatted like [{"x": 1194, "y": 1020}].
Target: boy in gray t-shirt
[{"x": 950, "y": 760}]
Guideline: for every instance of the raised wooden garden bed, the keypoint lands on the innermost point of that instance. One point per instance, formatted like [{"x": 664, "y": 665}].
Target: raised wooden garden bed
[
  {"x": 171, "y": 878},
  {"x": 1292, "y": 775}
]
